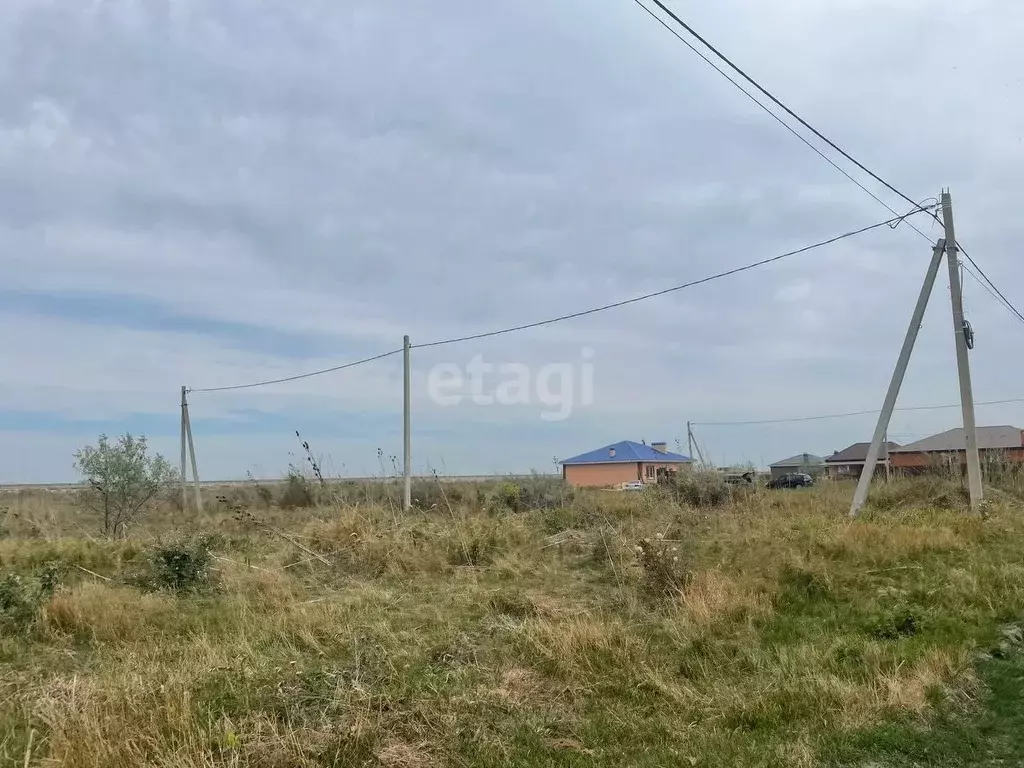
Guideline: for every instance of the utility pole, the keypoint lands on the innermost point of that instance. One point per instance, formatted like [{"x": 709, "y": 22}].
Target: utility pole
[
  {"x": 882, "y": 427},
  {"x": 406, "y": 426},
  {"x": 963, "y": 364},
  {"x": 187, "y": 425},
  {"x": 184, "y": 473},
  {"x": 691, "y": 441}
]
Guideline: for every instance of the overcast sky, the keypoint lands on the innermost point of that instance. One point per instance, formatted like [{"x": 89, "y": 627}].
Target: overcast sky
[{"x": 208, "y": 194}]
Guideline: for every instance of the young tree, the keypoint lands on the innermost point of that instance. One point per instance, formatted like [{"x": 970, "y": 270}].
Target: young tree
[{"x": 123, "y": 480}]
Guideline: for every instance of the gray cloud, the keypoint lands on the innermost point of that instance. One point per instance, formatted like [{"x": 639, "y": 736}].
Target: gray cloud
[{"x": 365, "y": 170}]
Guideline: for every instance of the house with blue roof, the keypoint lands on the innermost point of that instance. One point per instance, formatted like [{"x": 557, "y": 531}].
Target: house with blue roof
[{"x": 623, "y": 462}]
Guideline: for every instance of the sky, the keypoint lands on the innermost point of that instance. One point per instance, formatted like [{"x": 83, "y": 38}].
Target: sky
[{"x": 210, "y": 194}]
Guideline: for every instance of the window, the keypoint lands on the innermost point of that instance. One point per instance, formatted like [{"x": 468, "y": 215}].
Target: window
[{"x": 649, "y": 472}]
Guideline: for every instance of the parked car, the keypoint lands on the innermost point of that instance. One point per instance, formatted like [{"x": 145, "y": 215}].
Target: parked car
[
  {"x": 791, "y": 480},
  {"x": 636, "y": 485}
]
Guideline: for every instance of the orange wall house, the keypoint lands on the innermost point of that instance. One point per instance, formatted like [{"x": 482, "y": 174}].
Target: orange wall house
[
  {"x": 600, "y": 475},
  {"x": 623, "y": 462}
]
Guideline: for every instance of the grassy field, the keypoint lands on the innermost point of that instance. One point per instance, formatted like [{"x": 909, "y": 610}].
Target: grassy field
[{"x": 606, "y": 629}]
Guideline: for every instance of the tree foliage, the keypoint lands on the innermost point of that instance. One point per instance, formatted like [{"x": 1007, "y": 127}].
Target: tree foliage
[{"x": 123, "y": 480}]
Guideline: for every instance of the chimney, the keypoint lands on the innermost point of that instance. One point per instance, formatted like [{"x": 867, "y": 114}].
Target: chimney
[
  {"x": 660, "y": 447},
  {"x": 611, "y": 453}
]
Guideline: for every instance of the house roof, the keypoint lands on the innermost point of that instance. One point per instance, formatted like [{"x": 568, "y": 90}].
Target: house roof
[
  {"x": 800, "y": 460},
  {"x": 627, "y": 451},
  {"x": 954, "y": 440},
  {"x": 856, "y": 452}
]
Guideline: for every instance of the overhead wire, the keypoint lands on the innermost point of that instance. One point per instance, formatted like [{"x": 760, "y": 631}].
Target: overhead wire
[
  {"x": 1000, "y": 296},
  {"x": 692, "y": 283},
  {"x": 332, "y": 369},
  {"x": 775, "y": 100},
  {"x": 572, "y": 315},
  {"x": 779, "y": 103},
  {"x": 966, "y": 270},
  {"x": 823, "y": 417},
  {"x": 762, "y": 105}
]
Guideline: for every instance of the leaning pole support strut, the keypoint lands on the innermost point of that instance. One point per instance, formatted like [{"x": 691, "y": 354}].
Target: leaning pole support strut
[{"x": 861, "y": 494}]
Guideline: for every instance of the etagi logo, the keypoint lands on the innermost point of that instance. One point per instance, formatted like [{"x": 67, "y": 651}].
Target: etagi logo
[{"x": 558, "y": 387}]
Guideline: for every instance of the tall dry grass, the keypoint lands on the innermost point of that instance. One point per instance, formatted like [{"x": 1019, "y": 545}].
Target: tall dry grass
[{"x": 470, "y": 634}]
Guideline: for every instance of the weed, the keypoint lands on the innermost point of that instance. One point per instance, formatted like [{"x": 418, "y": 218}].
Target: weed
[
  {"x": 296, "y": 493},
  {"x": 698, "y": 489},
  {"x": 784, "y": 634},
  {"x": 533, "y": 493},
  {"x": 263, "y": 493},
  {"x": 181, "y": 567},
  {"x": 663, "y": 571},
  {"x": 513, "y": 603},
  {"x": 22, "y": 598}
]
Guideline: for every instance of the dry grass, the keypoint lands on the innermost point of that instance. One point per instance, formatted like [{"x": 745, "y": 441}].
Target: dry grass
[{"x": 344, "y": 636}]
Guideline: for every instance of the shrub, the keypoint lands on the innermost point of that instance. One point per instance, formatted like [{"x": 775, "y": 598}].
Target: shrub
[
  {"x": 179, "y": 566},
  {"x": 21, "y": 599},
  {"x": 534, "y": 493},
  {"x": 699, "y": 489},
  {"x": 664, "y": 572},
  {"x": 507, "y": 496},
  {"x": 297, "y": 493},
  {"x": 124, "y": 481}
]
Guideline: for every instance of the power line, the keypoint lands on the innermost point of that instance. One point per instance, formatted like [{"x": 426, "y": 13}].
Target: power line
[
  {"x": 779, "y": 103},
  {"x": 1001, "y": 297},
  {"x": 765, "y": 107},
  {"x": 594, "y": 310},
  {"x": 674, "y": 288},
  {"x": 843, "y": 415},
  {"x": 974, "y": 276},
  {"x": 301, "y": 375}
]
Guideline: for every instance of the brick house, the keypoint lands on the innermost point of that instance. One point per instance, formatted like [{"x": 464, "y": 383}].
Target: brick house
[
  {"x": 1003, "y": 443},
  {"x": 849, "y": 462},
  {"x": 622, "y": 462}
]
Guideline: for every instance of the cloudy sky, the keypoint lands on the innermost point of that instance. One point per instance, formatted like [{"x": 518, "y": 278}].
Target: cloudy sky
[{"x": 210, "y": 194}]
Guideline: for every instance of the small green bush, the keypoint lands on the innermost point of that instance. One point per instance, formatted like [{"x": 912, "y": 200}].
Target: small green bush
[
  {"x": 297, "y": 492},
  {"x": 508, "y": 496},
  {"x": 21, "y": 599},
  {"x": 182, "y": 567},
  {"x": 698, "y": 489},
  {"x": 533, "y": 493}
]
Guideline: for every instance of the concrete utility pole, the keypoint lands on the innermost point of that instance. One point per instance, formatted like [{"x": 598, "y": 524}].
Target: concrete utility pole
[
  {"x": 192, "y": 454},
  {"x": 882, "y": 428},
  {"x": 963, "y": 364},
  {"x": 948, "y": 246},
  {"x": 184, "y": 473},
  {"x": 689, "y": 440},
  {"x": 406, "y": 426}
]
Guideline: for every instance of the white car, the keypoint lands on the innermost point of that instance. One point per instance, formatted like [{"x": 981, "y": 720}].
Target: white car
[{"x": 636, "y": 485}]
